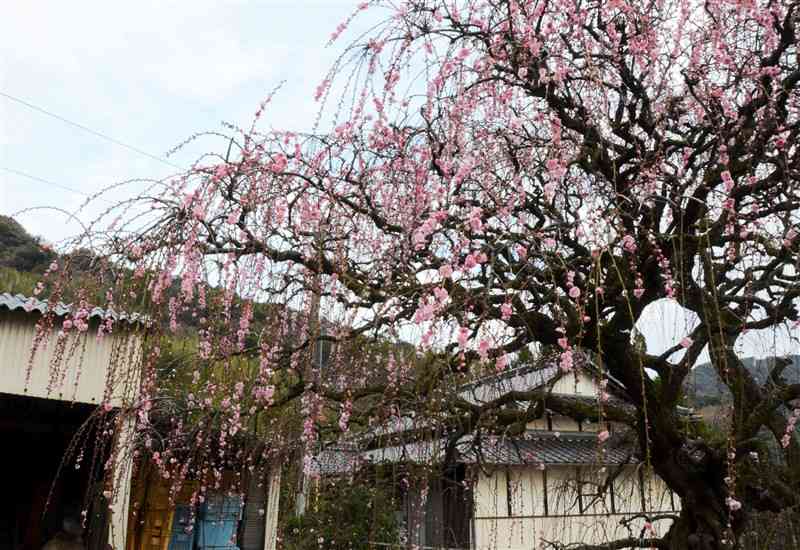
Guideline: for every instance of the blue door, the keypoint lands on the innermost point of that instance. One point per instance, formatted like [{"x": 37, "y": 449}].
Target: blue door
[
  {"x": 180, "y": 539},
  {"x": 217, "y": 523}
]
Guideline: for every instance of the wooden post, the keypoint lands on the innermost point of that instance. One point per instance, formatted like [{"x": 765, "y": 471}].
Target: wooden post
[
  {"x": 119, "y": 503},
  {"x": 271, "y": 515}
]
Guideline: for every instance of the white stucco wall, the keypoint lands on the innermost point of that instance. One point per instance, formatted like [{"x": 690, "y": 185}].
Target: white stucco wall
[
  {"x": 510, "y": 512},
  {"x": 529, "y": 533},
  {"x": 576, "y": 383}
]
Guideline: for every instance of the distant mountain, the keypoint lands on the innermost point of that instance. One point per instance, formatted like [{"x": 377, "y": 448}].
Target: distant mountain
[
  {"x": 704, "y": 387},
  {"x": 20, "y": 250},
  {"x": 24, "y": 259}
]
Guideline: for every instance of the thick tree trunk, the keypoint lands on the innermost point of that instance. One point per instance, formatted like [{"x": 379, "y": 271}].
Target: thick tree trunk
[
  {"x": 704, "y": 522},
  {"x": 700, "y": 528}
]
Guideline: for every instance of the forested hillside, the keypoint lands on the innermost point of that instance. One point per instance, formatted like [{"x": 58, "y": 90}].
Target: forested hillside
[
  {"x": 23, "y": 257},
  {"x": 704, "y": 387}
]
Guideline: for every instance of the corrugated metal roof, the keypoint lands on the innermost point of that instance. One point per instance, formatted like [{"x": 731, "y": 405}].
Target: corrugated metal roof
[{"x": 20, "y": 302}]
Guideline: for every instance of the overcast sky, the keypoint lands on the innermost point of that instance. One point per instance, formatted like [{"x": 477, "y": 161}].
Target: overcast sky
[{"x": 150, "y": 74}]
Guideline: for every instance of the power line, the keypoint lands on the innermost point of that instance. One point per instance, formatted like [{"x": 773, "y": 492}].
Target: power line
[
  {"x": 89, "y": 130},
  {"x": 42, "y": 180},
  {"x": 54, "y": 184}
]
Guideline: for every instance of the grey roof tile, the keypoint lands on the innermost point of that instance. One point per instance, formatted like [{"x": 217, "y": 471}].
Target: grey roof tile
[
  {"x": 534, "y": 448},
  {"x": 549, "y": 449}
]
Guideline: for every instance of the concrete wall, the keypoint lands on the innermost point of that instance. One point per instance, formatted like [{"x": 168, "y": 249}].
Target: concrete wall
[
  {"x": 79, "y": 367},
  {"x": 510, "y": 510}
]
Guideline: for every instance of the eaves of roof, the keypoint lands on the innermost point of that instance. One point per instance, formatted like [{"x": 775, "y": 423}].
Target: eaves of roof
[
  {"x": 19, "y": 302},
  {"x": 534, "y": 448}
]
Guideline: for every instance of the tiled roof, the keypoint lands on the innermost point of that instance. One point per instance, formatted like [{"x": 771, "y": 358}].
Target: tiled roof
[
  {"x": 336, "y": 460},
  {"x": 534, "y": 448},
  {"x": 520, "y": 379},
  {"x": 399, "y": 442},
  {"x": 548, "y": 448},
  {"x": 19, "y": 302},
  {"x": 484, "y": 390}
]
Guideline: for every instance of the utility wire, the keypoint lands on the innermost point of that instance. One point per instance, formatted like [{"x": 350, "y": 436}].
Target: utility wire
[
  {"x": 89, "y": 130},
  {"x": 42, "y": 180},
  {"x": 54, "y": 184}
]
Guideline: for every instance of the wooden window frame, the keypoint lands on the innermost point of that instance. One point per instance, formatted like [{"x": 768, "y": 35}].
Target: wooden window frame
[
  {"x": 579, "y": 489},
  {"x": 613, "y": 497},
  {"x": 544, "y": 490},
  {"x": 641, "y": 491},
  {"x": 593, "y": 496},
  {"x": 509, "y": 508}
]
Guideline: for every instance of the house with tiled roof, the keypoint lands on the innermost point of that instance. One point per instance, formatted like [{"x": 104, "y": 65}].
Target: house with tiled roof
[{"x": 557, "y": 483}]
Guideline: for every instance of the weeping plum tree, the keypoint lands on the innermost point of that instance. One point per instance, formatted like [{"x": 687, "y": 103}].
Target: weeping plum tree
[{"x": 501, "y": 175}]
